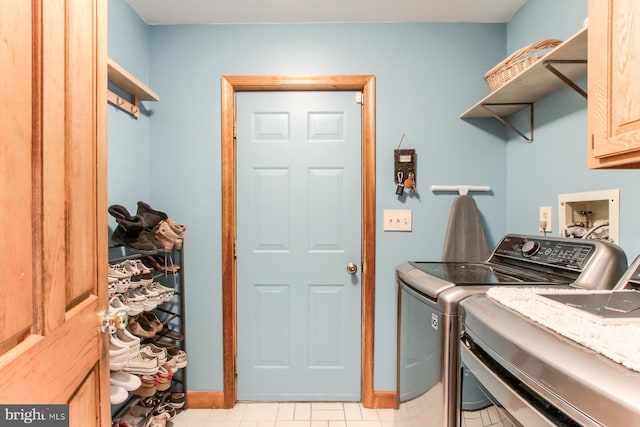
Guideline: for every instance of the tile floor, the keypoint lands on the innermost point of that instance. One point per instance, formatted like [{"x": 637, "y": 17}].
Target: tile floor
[{"x": 322, "y": 414}]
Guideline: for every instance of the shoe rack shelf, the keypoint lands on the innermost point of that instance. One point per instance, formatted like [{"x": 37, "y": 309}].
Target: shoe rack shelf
[
  {"x": 134, "y": 88},
  {"x": 170, "y": 313}
]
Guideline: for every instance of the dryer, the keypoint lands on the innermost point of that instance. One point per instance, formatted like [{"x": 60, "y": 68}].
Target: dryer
[{"x": 429, "y": 326}]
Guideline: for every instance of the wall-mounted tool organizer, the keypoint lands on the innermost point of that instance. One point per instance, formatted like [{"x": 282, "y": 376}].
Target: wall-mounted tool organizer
[{"x": 404, "y": 171}]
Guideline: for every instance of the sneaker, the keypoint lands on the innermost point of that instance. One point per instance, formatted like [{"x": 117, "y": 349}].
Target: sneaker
[
  {"x": 120, "y": 302},
  {"x": 155, "y": 351},
  {"x": 118, "y": 354},
  {"x": 131, "y": 341},
  {"x": 142, "y": 364},
  {"x": 179, "y": 356},
  {"x": 135, "y": 305},
  {"x": 166, "y": 294},
  {"x": 177, "y": 400},
  {"x": 130, "y": 267},
  {"x": 118, "y": 395},
  {"x": 118, "y": 276},
  {"x": 148, "y": 387},
  {"x": 127, "y": 381},
  {"x": 146, "y": 272},
  {"x": 134, "y": 295},
  {"x": 117, "y": 273},
  {"x": 151, "y": 303},
  {"x": 151, "y": 300},
  {"x": 149, "y": 292},
  {"x": 138, "y": 409},
  {"x": 123, "y": 285},
  {"x": 164, "y": 380},
  {"x": 117, "y": 303},
  {"x": 164, "y": 411}
]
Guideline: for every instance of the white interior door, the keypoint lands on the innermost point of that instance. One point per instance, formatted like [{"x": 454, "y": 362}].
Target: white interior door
[{"x": 298, "y": 227}]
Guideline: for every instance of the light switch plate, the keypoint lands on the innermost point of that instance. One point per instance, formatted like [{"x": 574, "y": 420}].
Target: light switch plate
[{"x": 397, "y": 220}]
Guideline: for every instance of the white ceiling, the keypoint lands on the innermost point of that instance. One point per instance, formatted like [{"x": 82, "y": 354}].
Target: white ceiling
[{"x": 158, "y": 12}]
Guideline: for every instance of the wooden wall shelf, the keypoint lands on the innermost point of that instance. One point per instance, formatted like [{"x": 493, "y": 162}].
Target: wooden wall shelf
[
  {"x": 132, "y": 86},
  {"x": 560, "y": 67}
]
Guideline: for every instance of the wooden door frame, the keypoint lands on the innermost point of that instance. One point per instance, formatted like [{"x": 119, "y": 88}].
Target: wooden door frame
[{"x": 229, "y": 86}]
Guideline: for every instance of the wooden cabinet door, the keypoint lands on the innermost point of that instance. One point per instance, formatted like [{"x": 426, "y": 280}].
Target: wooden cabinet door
[
  {"x": 614, "y": 86},
  {"x": 53, "y": 207}
]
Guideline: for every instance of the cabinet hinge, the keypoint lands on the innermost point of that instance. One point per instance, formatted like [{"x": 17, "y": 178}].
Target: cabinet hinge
[
  {"x": 359, "y": 98},
  {"x": 593, "y": 144},
  {"x": 235, "y": 131},
  {"x": 235, "y": 249}
]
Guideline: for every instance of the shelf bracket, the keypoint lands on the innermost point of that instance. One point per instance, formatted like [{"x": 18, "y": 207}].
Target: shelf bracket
[
  {"x": 548, "y": 65},
  {"x": 509, "y": 125}
]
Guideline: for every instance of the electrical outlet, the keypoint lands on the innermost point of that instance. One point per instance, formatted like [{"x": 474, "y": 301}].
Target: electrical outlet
[
  {"x": 397, "y": 220},
  {"x": 545, "y": 219}
]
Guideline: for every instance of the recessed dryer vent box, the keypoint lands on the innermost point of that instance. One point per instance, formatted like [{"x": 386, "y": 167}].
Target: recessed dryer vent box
[{"x": 590, "y": 215}]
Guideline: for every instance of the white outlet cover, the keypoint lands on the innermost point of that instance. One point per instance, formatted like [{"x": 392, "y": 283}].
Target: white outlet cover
[
  {"x": 397, "y": 220},
  {"x": 546, "y": 215}
]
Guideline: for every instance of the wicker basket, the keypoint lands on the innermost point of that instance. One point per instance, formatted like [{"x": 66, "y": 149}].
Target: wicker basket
[{"x": 518, "y": 62}]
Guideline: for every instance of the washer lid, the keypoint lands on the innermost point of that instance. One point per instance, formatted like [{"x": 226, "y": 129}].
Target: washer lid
[
  {"x": 426, "y": 284},
  {"x": 466, "y": 273}
]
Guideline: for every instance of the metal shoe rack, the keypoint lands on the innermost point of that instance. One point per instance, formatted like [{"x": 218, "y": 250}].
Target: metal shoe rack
[{"x": 171, "y": 314}]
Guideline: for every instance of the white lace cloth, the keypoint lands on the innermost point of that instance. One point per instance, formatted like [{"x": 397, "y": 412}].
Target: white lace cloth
[{"x": 618, "y": 341}]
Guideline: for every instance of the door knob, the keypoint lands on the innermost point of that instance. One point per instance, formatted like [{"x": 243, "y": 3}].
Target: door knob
[
  {"x": 352, "y": 268},
  {"x": 118, "y": 320}
]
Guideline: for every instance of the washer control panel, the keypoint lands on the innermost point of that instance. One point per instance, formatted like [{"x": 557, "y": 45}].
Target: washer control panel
[{"x": 554, "y": 252}]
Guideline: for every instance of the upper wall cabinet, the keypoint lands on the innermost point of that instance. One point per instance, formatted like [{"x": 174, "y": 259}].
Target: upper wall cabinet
[
  {"x": 136, "y": 90},
  {"x": 614, "y": 86}
]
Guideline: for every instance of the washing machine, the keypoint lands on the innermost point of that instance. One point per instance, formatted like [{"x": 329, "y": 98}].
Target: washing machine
[{"x": 429, "y": 325}]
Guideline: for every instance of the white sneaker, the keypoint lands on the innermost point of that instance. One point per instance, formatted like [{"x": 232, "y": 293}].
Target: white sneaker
[
  {"x": 119, "y": 302},
  {"x": 118, "y": 354},
  {"x": 127, "y": 381},
  {"x": 153, "y": 350},
  {"x": 118, "y": 394},
  {"x": 142, "y": 364},
  {"x": 166, "y": 294},
  {"x": 128, "y": 339}
]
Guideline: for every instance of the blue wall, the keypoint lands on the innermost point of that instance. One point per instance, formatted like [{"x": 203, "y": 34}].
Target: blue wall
[
  {"x": 129, "y": 163},
  {"x": 426, "y": 76}
]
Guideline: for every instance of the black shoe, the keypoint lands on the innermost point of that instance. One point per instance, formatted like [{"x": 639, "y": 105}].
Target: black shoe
[
  {"x": 123, "y": 217},
  {"x": 150, "y": 216},
  {"x": 133, "y": 240}
]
